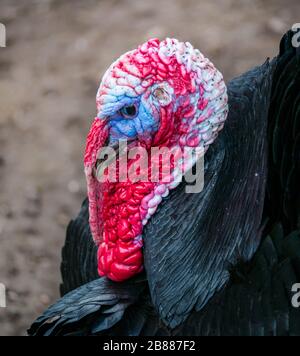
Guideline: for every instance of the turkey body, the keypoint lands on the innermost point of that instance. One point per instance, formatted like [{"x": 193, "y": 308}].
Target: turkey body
[{"x": 221, "y": 262}]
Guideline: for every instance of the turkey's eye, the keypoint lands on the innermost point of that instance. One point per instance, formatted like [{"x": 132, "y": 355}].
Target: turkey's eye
[{"x": 129, "y": 111}]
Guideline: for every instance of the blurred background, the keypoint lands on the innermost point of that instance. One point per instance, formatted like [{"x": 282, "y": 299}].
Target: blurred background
[{"x": 56, "y": 54}]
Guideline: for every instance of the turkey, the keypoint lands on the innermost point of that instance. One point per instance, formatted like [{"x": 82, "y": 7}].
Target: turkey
[{"x": 147, "y": 258}]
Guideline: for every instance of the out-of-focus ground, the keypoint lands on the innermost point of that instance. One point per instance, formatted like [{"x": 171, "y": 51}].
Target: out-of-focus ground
[{"x": 56, "y": 53}]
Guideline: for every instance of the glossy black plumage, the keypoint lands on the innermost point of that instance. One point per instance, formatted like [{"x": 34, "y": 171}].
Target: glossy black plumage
[
  {"x": 193, "y": 239},
  {"x": 202, "y": 278},
  {"x": 90, "y": 309},
  {"x": 79, "y": 250}
]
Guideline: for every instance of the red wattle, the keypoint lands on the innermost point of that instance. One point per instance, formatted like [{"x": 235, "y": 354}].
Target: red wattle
[
  {"x": 119, "y": 210},
  {"x": 119, "y": 254}
]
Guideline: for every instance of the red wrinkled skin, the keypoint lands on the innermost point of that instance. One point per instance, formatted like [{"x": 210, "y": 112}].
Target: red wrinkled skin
[
  {"x": 117, "y": 220},
  {"x": 119, "y": 254},
  {"x": 117, "y": 210}
]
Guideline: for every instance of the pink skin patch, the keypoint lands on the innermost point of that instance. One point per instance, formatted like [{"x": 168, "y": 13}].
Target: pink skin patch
[{"x": 188, "y": 95}]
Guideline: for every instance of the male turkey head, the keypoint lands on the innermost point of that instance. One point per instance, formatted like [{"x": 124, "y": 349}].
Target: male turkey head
[{"x": 162, "y": 94}]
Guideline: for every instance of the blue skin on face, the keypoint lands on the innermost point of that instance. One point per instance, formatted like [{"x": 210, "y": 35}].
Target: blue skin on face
[{"x": 141, "y": 124}]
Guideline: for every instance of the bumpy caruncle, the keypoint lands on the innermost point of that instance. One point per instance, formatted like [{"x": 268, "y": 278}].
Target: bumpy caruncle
[{"x": 177, "y": 99}]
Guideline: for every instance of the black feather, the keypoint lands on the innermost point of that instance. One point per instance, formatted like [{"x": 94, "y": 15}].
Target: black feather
[
  {"x": 89, "y": 309},
  {"x": 79, "y": 254},
  {"x": 188, "y": 261}
]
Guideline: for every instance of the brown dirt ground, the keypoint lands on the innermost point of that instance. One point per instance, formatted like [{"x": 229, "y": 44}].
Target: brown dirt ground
[{"x": 56, "y": 52}]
